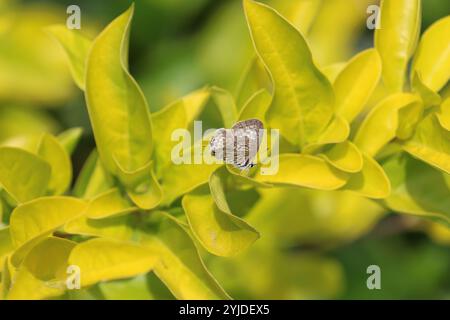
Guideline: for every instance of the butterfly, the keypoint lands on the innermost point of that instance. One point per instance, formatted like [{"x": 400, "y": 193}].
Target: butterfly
[{"x": 238, "y": 145}]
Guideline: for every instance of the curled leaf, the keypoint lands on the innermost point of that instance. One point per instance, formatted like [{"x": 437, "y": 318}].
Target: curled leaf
[
  {"x": 371, "y": 181},
  {"x": 23, "y": 175},
  {"x": 305, "y": 171},
  {"x": 432, "y": 59},
  {"x": 61, "y": 167},
  {"x": 117, "y": 108},
  {"x": 303, "y": 99},
  {"x": 344, "y": 156},
  {"x": 396, "y": 39},
  {"x": 41, "y": 216},
  {"x": 431, "y": 143},
  {"x": 213, "y": 223},
  {"x": 180, "y": 266},
  {"x": 395, "y": 116},
  {"x": 356, "y": 83},
  {"x": 103, "y": 259}
]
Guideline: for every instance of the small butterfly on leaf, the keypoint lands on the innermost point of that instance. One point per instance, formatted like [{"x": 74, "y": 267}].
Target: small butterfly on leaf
[{"x": 238, "y": 145}]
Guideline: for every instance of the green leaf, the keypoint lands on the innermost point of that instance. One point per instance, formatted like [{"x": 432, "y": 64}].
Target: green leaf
[
  {"x": 180, "y": 268},
  {"x": 418, "y": 188},
  {"x": 194, "y": 103},
  {"x": 213, "y": 223},
  {"x": 303, "y": 99},
  {"x": 143, "y": 287},
  {"x": 371, "y": 182},
  {"x": 61, "y": 167},
  {"x": 23, "y": 175},
  {"x": 432, "y": 58},
  {"x": 194, "y": 174},
  {"x": 115, "y": 227},
  {"x": 336, "y": 132},
  {"x": 256, "y": 106},
  {"x": 393, "y": 117},
  {"x": 70, "y": 138},
  {"x": 43, "y": 215},
  {"x": 117, "y": 107},
  {"x": 76, "y": 47},
  {"x": 429, "y": 97},
  {"x": 431, "y": 143},
  {"x": 396, "y": 39},
  {"x": 224, "y": 102},
  {"x": 344, "y": 156},
  {"x": 6, "y": 246},
  {"x": 254, "y": 78},
  {"x": 356, "y": 83},
  {"x": 20, "y": 253},
  {"x": 333, "y": 70},
  {"x": 103, "y": 259},
  {"x": 93, "y": 178},
  {"x": 305, "y": 171},
  {"x": 109, "y": 203},
  {"x": 142, "y": 186},
  {"x": 300, "y": 13},
  {"x": 6, "y": 279},
  {"x": 443, "y": 114},
  {"x": 164, "y": 123},
  {"x": 39, "y": 278}
]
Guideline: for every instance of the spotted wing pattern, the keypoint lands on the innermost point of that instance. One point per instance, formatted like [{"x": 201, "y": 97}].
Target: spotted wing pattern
[{"x": 239, "y": 144}]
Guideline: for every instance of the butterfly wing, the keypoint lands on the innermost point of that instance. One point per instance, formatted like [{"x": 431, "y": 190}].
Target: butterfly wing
[{"x": 248, "y": 136}]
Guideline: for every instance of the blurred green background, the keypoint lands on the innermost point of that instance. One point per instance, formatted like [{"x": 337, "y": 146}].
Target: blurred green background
[{"x": 314, "y": 244}]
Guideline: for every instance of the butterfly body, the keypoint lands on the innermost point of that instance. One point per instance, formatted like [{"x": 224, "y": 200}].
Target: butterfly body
[{"x": 238, "y": 145}]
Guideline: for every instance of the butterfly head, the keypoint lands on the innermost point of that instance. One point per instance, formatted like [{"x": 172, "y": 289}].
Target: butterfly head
[{"x": 217, "y": 142}]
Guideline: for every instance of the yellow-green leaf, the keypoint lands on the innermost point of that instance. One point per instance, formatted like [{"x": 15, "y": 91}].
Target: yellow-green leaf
[
  {"x": 332, "y": 71},
  {"x": 344, "y": 156},
  {"x": 396, "y": 39},
  {"x": 224, "y": 102},
  {"x": 443, "y": 114},
  {"x": 103, "y": 259},
  {"x": 23, "y": 175},
  {"x": 213, "y": 223},
  {"x": 303, "y": 99},
  {"x": 194, "y": 103},
  {"x": 254, "y": 78},
  {"x": 300, "y": 13},
  {"x": 429, "y": 97},
  {"x": 164, "y": 123},
  {"x": 356, "y": 83},
  {"x": 61, "y": 167},
  {"x": 371, "y": 181},
  {"x": 432, "y": 59},
  {"x": 117, "y": 108},
  {"x": 336, "y": 132},
  {"x": 418, "y": 188},
  {"x": 180, "y": 268},
  {"x": 142, "y": 186},
  {"x": 6, "y": 246},
  {"x": 109, "y": 203},
  {"x": 93, "y": 178},
  {"x": 37, "y": 217},
  {"x": 39, "y": 278},
  {"x": 20, "y": 253},
  {"x": 256, "y": 106},
  {"x": 115, "y": 227},
  {"x": 194, "y": 174},
  {"x": 305, "y": 171},
  {"x": 431, "y": 143},
  {"x": 76, "y": 47},
  {"x": 70, "y": 138},
  {"x": 393, "y": 117}
]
